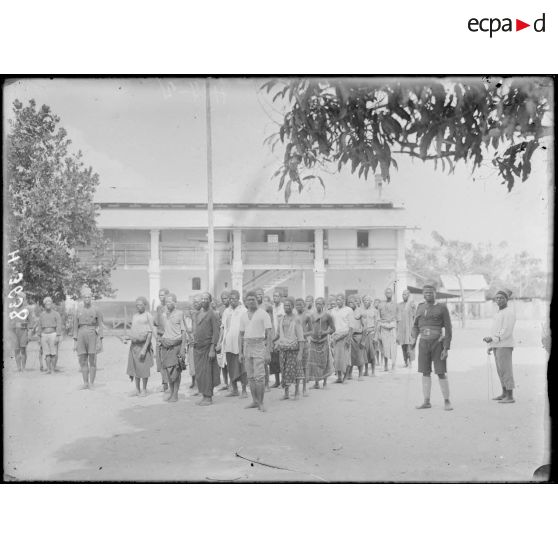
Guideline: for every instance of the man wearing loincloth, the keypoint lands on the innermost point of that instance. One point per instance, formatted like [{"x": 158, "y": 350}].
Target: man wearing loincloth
[
  {"x": 206, "y": 336},
  {"x": 173, "y": 343},
  {"x": 318, "y": 327},
  {"x": 387, "y": 333}
]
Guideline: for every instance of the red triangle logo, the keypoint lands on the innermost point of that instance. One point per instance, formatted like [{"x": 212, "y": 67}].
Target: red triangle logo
[{"x": 519, "y": 25}]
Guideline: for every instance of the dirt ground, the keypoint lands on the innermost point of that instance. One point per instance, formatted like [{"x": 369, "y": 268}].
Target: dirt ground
[{"x": 360, "y": 431}]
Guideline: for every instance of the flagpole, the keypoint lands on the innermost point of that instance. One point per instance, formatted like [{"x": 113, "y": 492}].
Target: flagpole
[{"x": 210, "y": 231}]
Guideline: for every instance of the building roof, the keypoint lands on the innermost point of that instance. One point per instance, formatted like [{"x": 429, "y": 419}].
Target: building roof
[
  {"x": 251, "y": 216},
  {"x": 473, "y": 282}
]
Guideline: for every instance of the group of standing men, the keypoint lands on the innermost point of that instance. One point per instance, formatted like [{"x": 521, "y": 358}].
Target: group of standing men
[{"x": 295, "y": 340}]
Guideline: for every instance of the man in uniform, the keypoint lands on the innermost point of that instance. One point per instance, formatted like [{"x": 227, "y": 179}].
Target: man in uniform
[
  {"x": 49, "y": 330},
  {"x": 433, "y": 324},
  {"x": 88, "y": 338}
]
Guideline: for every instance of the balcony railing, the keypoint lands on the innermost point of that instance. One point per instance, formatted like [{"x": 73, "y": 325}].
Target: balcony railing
[
  {"x": 180, "y": 255},
  {"x": 280, "y": 253},
  {"x": 380, "y": 257},
  {"x": 125, "y": 254}
]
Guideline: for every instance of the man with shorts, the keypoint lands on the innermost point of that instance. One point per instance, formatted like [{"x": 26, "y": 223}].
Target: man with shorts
[
  {"x": 433, "y": 324},
  {"x": 255, "y": 347},
  {"x": 19, "y": 328},
  {"x": 88, "y": 338},
  {"x": 49, "y": 330}
]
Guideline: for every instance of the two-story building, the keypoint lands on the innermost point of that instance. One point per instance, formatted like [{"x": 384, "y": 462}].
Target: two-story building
[{"x": 316, "y": 249}]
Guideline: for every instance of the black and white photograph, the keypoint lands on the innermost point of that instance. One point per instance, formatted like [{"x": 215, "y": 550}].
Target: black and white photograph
[{"x": 294, "y": 279}]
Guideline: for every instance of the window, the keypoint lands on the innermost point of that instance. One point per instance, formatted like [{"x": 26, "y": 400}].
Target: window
[
  {"x": 196, "y": 283},
  {"x": 273, "y": 237},
  {"x": 362, "y": 239}
]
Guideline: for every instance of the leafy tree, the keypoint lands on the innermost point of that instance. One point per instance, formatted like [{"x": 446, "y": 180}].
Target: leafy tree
[
  {"x": 51, "y": 210},
  {"x": 367, "y": 124},
  {"x": 521, "y": 273},
  {"x": 526, "y": 277}
]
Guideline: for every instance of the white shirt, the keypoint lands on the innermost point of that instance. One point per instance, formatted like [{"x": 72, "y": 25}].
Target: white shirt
[
  {"x": 254, "y": 328},
  {"x": 502, "y": 328},
  {"x": 231, "y": 328},
  {"x": 341, "y": 318}
]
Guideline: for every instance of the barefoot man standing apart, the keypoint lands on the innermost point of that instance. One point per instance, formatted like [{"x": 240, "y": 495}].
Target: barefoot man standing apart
[
  {"x": 501, "y": 343},
  {"x": 255, "y": 347},
  {"x": 88, "y": 338},
  {"x": 433, "y": 324}
]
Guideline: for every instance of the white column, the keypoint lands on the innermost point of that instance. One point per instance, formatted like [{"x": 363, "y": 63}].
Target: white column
[
  {"x": 319, "y": 264},
  {"x": 400, "y": 265},
  {"x": 154, "y": 269},
  {"x": 237, "y": 266}
]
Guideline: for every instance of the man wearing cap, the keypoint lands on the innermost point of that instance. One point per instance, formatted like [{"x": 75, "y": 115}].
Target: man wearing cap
[
  {"x": 433, "y": 324},
  {"x": 49, "y": 330},
  {"x": 501, "y": 343},
  {"x": 88, "y": 338}
]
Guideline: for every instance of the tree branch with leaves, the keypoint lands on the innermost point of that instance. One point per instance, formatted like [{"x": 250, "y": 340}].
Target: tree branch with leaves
[{"x": 366, "y": 124}]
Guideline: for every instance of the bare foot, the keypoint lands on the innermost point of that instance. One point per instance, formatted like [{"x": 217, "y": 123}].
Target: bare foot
[
  {"x": 424, "y": 406},
  {"x": 252, "y": 406},
  {"x": 135, "y": 394},
  {"x": 243, "y": 395},
  {"x": 143, "y": 393},
  {"x": 205, "y": 402},
  {"x": 168, "y": 397},
  {"x": 84, "y": 386},
  {"x": 173, "y": 399},
  {"x": 262, "y": 408},
  {"x": 447, "y": 406}
]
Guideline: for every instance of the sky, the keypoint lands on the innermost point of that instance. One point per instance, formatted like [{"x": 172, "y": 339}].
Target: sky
[{"x": 146, "y": 138}]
